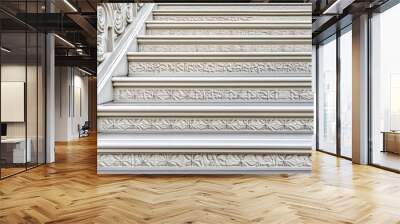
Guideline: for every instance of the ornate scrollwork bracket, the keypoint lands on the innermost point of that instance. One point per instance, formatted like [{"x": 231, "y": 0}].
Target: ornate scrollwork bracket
[{"x": 112, "y": 20}]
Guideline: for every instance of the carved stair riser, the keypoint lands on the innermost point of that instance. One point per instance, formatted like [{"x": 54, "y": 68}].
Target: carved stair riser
[
  {"x": 227, "y": 31},
  {"x": 236, "y": 7},
  {"x": 233, "y": 18},
  {"x": 203, "y": 161},
  {"x": 212, "y": 95},
  {"x": 219, "y": 68},
  {"x": 206, "y": 125},
  {"x": 223, "y": 47}
]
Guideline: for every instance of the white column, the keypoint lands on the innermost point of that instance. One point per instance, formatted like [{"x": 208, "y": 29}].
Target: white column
[
  {"x": 50, "y": 100},
  {"x": 360, "y": 90},
  {"x": 314, "y": 89}
]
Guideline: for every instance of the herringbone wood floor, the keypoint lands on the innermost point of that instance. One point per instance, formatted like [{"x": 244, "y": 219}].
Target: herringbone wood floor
[{"x": 69, "y": 191}]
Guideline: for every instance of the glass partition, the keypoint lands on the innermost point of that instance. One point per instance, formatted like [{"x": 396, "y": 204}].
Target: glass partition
[
  {"x": 22, "y": 77},
  {"x": 13, "y": 94},
  {"x": 32, "y": 98}
]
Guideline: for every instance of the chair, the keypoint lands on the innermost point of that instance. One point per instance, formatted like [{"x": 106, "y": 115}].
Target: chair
[{"x": 84, "y": 130}]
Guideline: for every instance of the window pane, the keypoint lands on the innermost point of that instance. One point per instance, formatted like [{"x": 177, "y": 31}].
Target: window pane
[
  {"x": 385, "y": 86},
  {"x": 327, "y": 96},
  {"x": 346, "y": 94}
]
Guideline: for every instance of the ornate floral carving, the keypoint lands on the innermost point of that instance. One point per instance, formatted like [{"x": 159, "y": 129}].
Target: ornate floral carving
[
  {"x": 119, "y": 18},
  {"x": 197, "y": 47},
  {"x": 116, "y": 16},
  {"x": 184, "y": 124},
  {"x": 101, "y": 32},
  {"x": 233, "y": 18},
  {"x": 212, "y": 95},
  {"x": 101, "y": 47},
  {"x": 101, "y": 18},
  {"x": 202, "y": 160},
  {"x": 225, "y": 31},
  {"x": 219, "y": 67}
]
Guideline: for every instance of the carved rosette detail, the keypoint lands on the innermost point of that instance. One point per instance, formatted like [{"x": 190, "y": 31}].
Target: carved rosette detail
[
  {"x": 190, "y": 95},
  {"x": 202, "y": 160},
  {"x": 101, "y": 18},
  {"x": 265, "y": 125},
  {"x": 101, "y": 32},
  {"x": 219, "y": 67}
]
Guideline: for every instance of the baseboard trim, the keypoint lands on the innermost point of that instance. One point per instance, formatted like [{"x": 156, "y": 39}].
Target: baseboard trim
[{"x": 225, "y": 171}]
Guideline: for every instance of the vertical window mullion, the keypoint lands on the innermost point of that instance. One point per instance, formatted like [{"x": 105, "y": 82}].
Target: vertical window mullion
[
  {"x": 26, "y": 86},
  {"x": 338, "y": 77}
]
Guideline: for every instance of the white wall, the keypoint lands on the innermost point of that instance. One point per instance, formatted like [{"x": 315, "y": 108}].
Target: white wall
[
  {"x": 15, "y": 73},
  {"x": 71, "y": 87}
]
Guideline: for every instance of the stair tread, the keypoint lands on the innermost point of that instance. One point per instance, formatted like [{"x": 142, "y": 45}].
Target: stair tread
[
  {"x": 234, "y": 4},
  {"x": 182, "y": 140},
  {"x": 229, "y": 24},
  {"x": 256, "y": 22},
  {"x": 220, "y": 54},
  {"x": 110, "y": 107},
  {"x": 262, "y": 37},
  {"x": 260, "y": 57},
  {"x": 209, "y": 79},
  {"x": 234, "y": 12}
]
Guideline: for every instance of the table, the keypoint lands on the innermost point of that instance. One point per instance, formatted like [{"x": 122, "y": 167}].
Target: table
[{"x": 17, "y": 147}]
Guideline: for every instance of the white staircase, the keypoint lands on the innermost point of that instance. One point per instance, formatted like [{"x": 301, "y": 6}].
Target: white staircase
[{"x": 213, "y": 88}]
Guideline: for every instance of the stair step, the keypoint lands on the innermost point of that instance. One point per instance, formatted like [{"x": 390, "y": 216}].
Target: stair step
[
  {"x": 235, "y": 6},
  {"x": 203, "y": 143},
  {"x": 227, "y": 90},
  {"x": 219, "y": 64},
  {"x": 112, "y": 109},
  {"x": 223, "y": 15},
  {"x": 214, "y": 88},
  {"x": 270, "y": 25},
  {"x": 141, "y": 118},
  {"x": 227, "y": 28},
  {"x": 126, "y": 81},
  {"x": 223, "y": 44},
  {"x": 184, "y": 124},
  {"x": 202, "y": 154}
]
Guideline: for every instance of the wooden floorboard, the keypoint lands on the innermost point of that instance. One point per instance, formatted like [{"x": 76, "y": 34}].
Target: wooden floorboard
[{"x": 70, "y": 191}]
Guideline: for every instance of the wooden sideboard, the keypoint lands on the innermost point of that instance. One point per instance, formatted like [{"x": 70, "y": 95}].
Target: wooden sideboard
[{"x": 391, "y": 141}]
